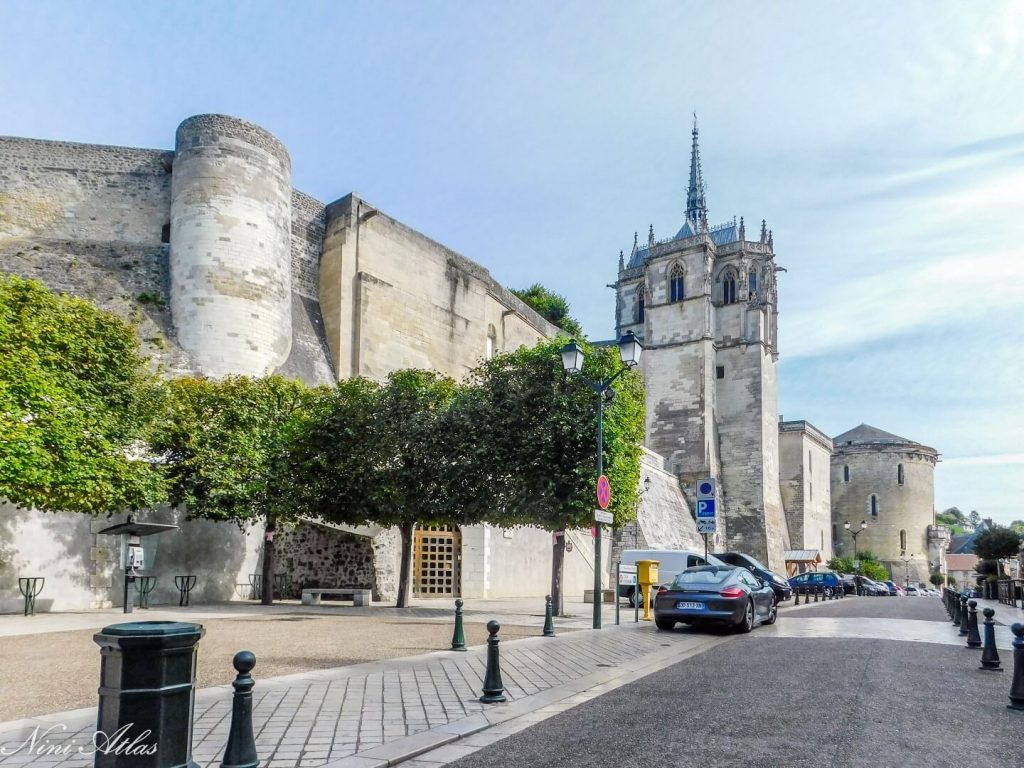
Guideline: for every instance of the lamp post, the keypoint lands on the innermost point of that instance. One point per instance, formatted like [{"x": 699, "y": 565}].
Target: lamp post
[
  {"x": 630, "y": 350},
  {"x": 855, "y": 532},
  {"x": 906, "y": 567}
]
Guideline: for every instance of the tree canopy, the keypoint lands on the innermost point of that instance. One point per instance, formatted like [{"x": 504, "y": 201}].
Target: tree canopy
[
  {"x": 996, "y": 543},
  {"x": 552, "y": 306},
  {"x": 76, "y": 402}
]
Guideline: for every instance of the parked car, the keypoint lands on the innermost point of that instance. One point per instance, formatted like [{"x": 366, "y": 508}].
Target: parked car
[
  {"x": 828, "y": 581},
  {"x": 721, "y": 594},
  {"x": 932, "y": 592},
  {"x": 780, "y": 586},
  {"x": 876, "y": 588},
  {"x": 893, "y": 589},
  {"x": 849, "y": 583},
  {"x": 911, "y": 590},
  {"x": 671, "y": 562}
]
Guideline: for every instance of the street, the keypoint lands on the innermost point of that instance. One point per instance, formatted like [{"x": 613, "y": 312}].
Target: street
[{"x": 761, "y": 700}]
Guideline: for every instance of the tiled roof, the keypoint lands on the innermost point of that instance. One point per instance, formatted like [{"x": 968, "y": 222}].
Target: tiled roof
[
  {"x": 961, "y": 562},
  {"x": 723, "y": 234},
  {"x": 865, "y": 433}
]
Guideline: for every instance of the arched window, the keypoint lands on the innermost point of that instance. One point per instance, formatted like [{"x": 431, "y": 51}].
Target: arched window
[
  {"x": 903, "y": 541},
  {"x": 846, "y": 473},
  {"x": 752, "y": 281},
  {"x": 874, "y": 505},
  {"x": 492, "y": 341},
  {"x": 640, "y": 300},
  {"x": 729, "y": 286},
  {"x": 676, "y": 284},
  {"x": 899, "y": 474}
]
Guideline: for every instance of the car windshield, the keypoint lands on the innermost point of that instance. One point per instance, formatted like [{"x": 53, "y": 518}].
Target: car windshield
[{"x": 704, "y": 574}]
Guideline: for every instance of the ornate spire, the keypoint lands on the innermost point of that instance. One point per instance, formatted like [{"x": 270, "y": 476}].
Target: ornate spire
[
  {"x": 771, "y": 243},
  {"x": 696, "y": 204},
  {"x": 743, "y": 230},
  {"x": 650, "y": 237},
  {"x": 764, "y": 231},
  {"x": 622, "y": 263},
  {"x": 636, "y": 244}
]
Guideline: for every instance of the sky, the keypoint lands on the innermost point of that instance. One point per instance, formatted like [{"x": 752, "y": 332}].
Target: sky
[{"x": 883, "y": 143}]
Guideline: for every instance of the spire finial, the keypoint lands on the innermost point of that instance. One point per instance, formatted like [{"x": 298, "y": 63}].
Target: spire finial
[
  {"x": 771, "y": 243},
  {"x": 764, "y": 231},
  {"x": 696, "y": 204},
  {"x": 743, "y": 230},
  {"x": 650, "y": 236},
  {"x": 622, "y": 262}
]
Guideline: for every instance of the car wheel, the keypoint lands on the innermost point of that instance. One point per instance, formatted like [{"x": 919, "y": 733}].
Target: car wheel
[
  {"x": 773, "y": 614},
  {"x": 827, "y": 592},
  {"x": 747, "y": 622},
  {"x": 665, "y": 623},
  {"x": 635, "y": 599}
]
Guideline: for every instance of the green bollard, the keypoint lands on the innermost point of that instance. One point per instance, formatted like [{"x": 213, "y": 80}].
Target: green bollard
[
  {"x": 990, "y": 654},
  {"x": 241, "y": 749},
  {"x": 973, "y": 638},
  {"x": 549, "y": 623},
  {"x": 459, "y": 635},
  {"x": 494, "y": 689}
]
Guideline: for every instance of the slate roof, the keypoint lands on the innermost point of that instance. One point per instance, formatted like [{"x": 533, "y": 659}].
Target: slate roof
[
  {"x": 722, "y": 234},
  {"x": 865, "y": 433}
]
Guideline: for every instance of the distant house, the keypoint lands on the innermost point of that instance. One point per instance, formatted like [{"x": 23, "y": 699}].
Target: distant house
[{"x": 961, "y": 567}]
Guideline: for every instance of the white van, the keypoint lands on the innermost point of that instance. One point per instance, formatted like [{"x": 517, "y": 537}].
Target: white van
[{"x": 670, "y": 563}]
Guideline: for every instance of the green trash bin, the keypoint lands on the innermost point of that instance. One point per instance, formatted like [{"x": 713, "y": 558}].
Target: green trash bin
[{"x": 146, "y": 694}]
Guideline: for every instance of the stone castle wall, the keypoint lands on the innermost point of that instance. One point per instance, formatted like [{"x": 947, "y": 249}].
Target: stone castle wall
[{"x": 805, "y": 481}]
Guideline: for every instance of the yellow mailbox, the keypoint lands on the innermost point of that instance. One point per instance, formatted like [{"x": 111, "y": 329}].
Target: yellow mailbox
[{"x": 647, "y": 576}]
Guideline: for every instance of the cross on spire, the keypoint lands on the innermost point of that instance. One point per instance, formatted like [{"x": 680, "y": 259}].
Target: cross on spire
[{"x": 696, "y": 204}]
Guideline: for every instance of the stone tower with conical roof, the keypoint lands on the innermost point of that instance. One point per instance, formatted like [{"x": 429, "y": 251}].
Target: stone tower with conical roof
[
  {"x": 704, "y": 303},
  {"x": 888, "y": 483}
]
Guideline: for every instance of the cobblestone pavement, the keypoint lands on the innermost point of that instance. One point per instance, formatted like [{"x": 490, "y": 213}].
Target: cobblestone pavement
[{"x": 379, "y": 710}]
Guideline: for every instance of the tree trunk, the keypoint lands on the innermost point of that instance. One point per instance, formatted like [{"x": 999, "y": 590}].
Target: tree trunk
[
  {"x": 557, "y": 567},
  {"x": 403, "y": 572},
  {"x": 267, "y": 597}
]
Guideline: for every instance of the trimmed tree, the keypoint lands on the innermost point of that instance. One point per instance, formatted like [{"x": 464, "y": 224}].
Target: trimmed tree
[
  {"x": 997, "y": 543},
  {"x": 77, "y": 399},
  {"x": 552, "y": 306},
  {"x": 386, "y": 454},
  {"x": 226, "y": 445},
  {"x": 535, "y": 442}
]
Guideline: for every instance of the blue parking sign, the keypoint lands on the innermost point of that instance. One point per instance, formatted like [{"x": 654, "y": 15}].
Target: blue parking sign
[{"x": 705, "y": 508}]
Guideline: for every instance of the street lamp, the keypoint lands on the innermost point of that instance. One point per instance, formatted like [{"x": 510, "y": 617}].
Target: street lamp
[
  {"x": 630, "y": 350},
  {"x": 906, "y": 566},
  {"x": 855, "y": 532}
]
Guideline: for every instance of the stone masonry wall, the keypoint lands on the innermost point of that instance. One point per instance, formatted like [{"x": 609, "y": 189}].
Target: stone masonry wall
[{"x": 318, "y": 556}]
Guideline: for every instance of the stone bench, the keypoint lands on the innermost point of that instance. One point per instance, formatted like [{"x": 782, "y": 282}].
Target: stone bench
[{"x": 357, "y": 596}]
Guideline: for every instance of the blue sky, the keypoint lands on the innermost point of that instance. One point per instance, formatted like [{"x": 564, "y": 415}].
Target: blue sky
[{"x": 885, "y": 146}]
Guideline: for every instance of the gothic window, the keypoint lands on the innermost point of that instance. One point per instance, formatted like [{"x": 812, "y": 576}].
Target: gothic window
[
  {"x": 752, "y": 281},
  {"x": 899, "y": 474},
  {"x": 676, "y": 284},
  {"x": 846, "y": 473},
  {"x": 729, "y": 287},
  {"x": 640, "y": 300},
  {"x": 903, "y": 541},
  {"x": 874, "y": 505}
]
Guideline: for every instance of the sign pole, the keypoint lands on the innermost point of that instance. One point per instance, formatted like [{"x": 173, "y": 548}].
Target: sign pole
[
  {"x": 705, "y": 546},
  {"x": 618, "y": 566}
]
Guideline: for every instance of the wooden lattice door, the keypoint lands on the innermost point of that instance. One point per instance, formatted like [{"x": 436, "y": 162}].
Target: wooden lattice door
[{"x": 436, "y": 554}]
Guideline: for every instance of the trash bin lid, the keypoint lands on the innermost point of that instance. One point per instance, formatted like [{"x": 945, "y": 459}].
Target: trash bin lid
[{"x": 151, "y": 628}]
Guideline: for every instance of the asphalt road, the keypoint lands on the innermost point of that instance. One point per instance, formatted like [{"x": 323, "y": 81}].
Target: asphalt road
[
  {"x": 788, "y": 703},
  {"x": 920, "y": 608}
]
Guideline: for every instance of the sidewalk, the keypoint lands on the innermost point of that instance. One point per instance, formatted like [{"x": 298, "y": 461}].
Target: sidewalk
[{"x": 370, "y": 714}]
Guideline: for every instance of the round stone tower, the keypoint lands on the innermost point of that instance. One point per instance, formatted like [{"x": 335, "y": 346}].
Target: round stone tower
[
  {"x": 888, "y": 482},
  {"x": 230, "y": 259}
]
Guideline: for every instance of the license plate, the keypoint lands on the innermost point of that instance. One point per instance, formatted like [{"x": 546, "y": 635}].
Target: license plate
[{"x": 690, "y": 606}]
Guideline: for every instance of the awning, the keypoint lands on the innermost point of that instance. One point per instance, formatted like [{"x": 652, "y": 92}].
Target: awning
[
  {"x": 802, "y": 556},
  {"x": 133, "y": 528}
]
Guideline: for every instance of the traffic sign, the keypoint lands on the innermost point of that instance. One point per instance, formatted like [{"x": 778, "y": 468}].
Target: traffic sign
[
  {"x": 706, "y": 488},
  {"x": 604, "y": 492},
  {"x": 705, "y": 508},
  {"x": 627, "y": 575},
  {"x": 706, "y": 525},
  {"x": 600, "y": 516}
]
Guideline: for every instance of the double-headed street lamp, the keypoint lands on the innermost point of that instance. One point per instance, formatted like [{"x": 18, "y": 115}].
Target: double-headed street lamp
[
  {"x": 855, "y": 532},
  {"x": 906, "y": 566},
  {"x": 630, "y": 350}
]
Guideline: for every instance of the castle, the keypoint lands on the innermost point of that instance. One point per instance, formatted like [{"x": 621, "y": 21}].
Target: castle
[
  {"x": 225, "y": 268},
  {"x": 704, "y": 302}
]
